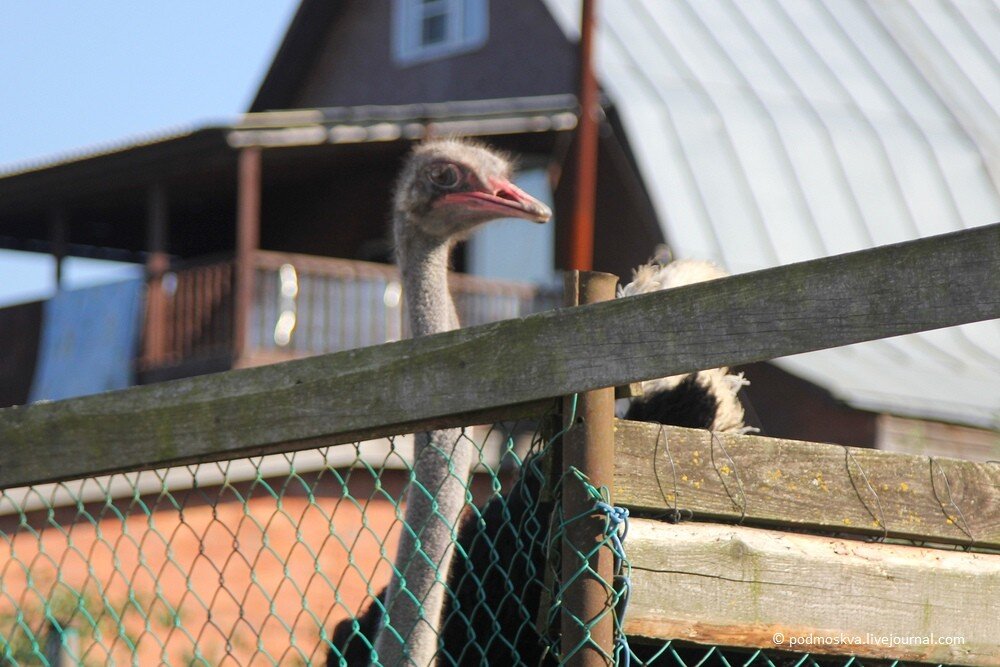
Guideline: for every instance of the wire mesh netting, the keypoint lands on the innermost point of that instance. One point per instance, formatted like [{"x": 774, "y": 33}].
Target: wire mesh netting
[
  {"x": 251, "y": 561},
  {"x": 282, "y": 559}
]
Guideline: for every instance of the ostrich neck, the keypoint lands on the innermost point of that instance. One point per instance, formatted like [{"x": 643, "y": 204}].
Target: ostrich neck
[
  {"x": 435, "y": 499},
  {"x": 423, "y": 263}
]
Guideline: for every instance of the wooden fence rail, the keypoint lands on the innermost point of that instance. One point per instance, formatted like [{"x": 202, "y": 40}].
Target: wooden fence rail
[
  {"x": 476, "y": 375},
  {"x": 806, "y": 486},
  {"x": 733, "y": 586}
]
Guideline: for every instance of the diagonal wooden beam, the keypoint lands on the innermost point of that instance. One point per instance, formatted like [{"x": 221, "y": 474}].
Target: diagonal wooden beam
[{"x": 465, "y": 376}]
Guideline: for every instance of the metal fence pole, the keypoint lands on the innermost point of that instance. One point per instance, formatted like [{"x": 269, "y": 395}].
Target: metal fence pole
[
  {"x": 587, "y": 623},
  {"x": 581, "y": 232}
]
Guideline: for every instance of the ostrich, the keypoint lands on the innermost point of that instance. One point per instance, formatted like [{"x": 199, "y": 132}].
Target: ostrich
[
  {"x": 707, "y": 399},
  {"x": 446, "y": 189},
  {"x": 491, "y": 613}
]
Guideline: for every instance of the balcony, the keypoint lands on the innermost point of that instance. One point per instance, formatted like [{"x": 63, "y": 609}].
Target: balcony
[{"x": 301, "y": 305}]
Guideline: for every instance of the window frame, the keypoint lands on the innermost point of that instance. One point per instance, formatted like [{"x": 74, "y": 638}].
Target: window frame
[{"x": 466, "y": 29}]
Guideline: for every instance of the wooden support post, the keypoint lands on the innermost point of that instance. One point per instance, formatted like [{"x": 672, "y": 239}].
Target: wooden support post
[
  {"x": 58, "y": 234},
  {"x": 247, "y": 243},
  {"x": 157, "y": 264},
  {"x": 588, "y": 446}
]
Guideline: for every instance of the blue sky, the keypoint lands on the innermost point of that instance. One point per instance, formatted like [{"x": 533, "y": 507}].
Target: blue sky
[{"x": 78, "y": 74}]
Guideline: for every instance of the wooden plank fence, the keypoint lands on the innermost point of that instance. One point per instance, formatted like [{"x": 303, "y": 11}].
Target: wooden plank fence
[
  {"x": 515, "y": 368},
  {"x": 806, "y": 485},
  {"x": 417, "y": 384},
  {"x": 733, "y": 586}
]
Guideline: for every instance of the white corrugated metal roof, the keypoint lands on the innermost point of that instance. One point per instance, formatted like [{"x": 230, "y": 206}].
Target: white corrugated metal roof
[{"x": 785, "y": 130}]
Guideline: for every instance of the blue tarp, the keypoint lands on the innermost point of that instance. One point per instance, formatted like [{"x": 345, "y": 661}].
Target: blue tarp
[{"x": 90, "y": 338}]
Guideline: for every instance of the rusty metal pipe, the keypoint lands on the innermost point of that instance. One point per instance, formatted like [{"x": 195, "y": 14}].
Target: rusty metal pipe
[
  {"x": 581, "y": 232},
  {"x": 588, "y": 445}
]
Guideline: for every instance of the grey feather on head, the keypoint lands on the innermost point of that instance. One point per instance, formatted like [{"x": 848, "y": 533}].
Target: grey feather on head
[{"x": 448, "y": 187}]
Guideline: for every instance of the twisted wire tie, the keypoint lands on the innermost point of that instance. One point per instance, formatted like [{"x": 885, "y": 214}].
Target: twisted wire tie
[{"x": 616, "y": 532}]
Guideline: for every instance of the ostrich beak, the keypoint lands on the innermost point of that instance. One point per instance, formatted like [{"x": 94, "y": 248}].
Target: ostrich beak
[{"x": 501, "y": 199}]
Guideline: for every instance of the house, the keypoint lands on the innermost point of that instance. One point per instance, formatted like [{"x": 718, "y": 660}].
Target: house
[{"x": 752, "y": 139}]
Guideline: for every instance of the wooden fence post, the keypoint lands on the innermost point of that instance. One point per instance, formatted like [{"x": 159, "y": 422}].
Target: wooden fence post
[{"x": 588, "y": 445}]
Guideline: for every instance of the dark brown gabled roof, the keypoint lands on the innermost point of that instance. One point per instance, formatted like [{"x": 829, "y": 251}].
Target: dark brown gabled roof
[
  {"x": 310, "y": 24},
  {"x": 145, "y": 158},
  {"x": 104, "y": 191}
]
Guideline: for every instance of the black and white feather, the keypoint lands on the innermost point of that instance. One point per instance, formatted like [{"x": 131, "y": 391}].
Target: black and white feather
[{"x": 707, "y": 399}]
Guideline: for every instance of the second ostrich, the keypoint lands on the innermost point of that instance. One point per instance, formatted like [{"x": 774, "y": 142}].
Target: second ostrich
[{"x": 446, "y": 189}]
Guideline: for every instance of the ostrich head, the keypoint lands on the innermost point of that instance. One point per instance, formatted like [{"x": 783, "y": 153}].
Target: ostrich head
[{"x": 448, "y": 187}]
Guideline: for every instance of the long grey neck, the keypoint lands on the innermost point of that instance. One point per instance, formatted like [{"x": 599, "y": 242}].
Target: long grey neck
[
  {"x": 436, "y": 498},
  {"x": 423, "y": 263}
]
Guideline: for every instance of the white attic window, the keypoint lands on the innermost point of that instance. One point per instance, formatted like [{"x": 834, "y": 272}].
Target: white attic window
[{"x": 428, "y": 29}]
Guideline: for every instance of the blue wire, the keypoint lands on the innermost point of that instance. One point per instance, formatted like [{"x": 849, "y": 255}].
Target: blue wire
[{"x": 616, "y": 532}]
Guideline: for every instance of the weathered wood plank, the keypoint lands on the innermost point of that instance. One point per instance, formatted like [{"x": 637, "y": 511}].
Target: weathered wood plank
[
  {"x": 769, "y": 481},
  {"x": 737, "y": 586},
  {"x": 398, "y": 387}
]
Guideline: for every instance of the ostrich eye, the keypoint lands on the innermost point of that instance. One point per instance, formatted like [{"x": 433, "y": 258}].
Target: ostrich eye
[{"x": 444, "y": 175}]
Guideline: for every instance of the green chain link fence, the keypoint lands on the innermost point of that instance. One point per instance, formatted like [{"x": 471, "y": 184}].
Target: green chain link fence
[{"x": 268, "y": 561}]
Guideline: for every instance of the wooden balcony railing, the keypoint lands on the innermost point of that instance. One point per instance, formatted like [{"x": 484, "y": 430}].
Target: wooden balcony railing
[
  {"x": 195, "y": 304},
  {"x": 303, "y": 305},
  {"x": 307, "y": 305}
]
